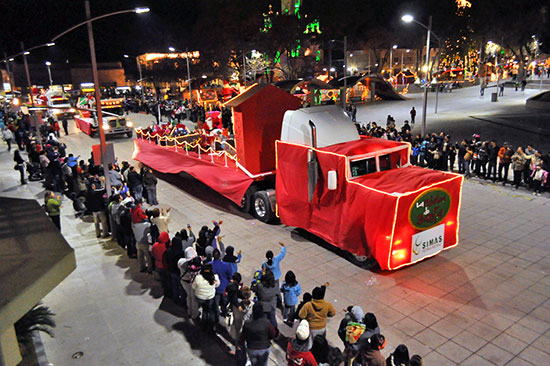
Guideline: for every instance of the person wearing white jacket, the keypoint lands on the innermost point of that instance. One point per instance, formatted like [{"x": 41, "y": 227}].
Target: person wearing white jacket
[
  {"x": 188, "y": 269},
  {"x": 204, "y": 287}
]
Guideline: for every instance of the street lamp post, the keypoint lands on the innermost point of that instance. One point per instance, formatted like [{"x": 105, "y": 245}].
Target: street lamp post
[
  {"x": 140, "y": 77},
  {"x": 343, "y": 98},
  {"x": 34, "y": 122},
  {"x": 97, "y": 92},
  {"x": 244, "y": 69},
  {"x": 8, "y": 69},
  {"x": 407, "y": 19},
  {"x": 48, "y": 65},
  {"x": 172, "y": 49},
  {"x": 394, "y": 47}
]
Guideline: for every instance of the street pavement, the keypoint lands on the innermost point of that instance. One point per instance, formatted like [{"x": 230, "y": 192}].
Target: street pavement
[
  {"x": 485, "y": 302},
  {"x": 464, "y": 112}
]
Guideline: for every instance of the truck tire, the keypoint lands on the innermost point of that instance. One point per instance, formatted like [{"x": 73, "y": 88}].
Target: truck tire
[
  {"x": 130, "y": 134},
  {"x": 262, "y": 207},
  {"x": 362, "y": 261},
  {"x": 246, "y": 202}
]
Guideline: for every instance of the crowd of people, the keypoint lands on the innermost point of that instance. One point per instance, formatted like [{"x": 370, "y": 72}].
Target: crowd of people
[{"x": 485, "y": 159}]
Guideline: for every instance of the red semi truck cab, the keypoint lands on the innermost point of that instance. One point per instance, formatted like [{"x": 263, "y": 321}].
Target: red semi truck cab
[
  {"x": 310, "y": 168},
  {"x": 361, "y": 194}
]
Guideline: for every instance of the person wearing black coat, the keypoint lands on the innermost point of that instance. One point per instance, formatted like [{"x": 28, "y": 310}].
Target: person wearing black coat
[
  {"x": 20, "y": 165},
  {"x": 96, "y": 204},
  {"x": 135, "y": 183},
  {"x": 492, "y": 152},
  {"x": 173, "y": 254},
  {"x": 126, "y": 231}
]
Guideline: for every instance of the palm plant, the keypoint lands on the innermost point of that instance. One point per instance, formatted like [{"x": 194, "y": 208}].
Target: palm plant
[{"x": 39, "y": 318}]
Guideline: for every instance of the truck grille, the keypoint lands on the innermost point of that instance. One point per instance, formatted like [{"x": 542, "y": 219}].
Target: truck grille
[{"x": 113, "y": 123}]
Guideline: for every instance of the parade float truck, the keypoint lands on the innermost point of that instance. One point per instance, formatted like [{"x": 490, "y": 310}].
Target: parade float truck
[
  {"x": 114, "y": 122},
  {"x": 310, "y": 168},
  {"x": 60, "y": 107}
]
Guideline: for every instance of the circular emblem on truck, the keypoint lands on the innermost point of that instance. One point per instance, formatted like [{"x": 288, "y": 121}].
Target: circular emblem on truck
[{"x": 429, "y": 208}]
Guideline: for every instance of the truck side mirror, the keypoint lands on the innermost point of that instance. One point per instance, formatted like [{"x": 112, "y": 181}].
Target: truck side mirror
[{"x": 332, "y": 180}]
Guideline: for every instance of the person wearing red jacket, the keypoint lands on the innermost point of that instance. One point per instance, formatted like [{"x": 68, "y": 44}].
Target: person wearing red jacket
[
  {"x": 297, "y": 351},
  {"x": 160, "y": 264},
  {"x": 137, "y": 214}
]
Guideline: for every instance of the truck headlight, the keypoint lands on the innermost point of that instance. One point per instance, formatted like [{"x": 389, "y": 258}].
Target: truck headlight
[
  {"x": 129, "y": 124},
  {"x": 56, "y": 111},
  {"x": 106, "y": 127},
  {"x": 72, "y": 110}
]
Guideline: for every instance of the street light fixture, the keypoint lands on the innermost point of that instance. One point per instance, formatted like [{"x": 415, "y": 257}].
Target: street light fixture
[
  {"x": 172, "y": 49},
  {"x": 407, "y": 18},
  {"x": 48, "y": 64},
  {"x": 142, "y": 10}
]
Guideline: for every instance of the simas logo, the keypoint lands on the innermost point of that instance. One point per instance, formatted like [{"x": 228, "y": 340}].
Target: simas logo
[
  {"x": 428, "y": 209},
  {"x": 421, "y": 245},
  {"x": 428, "y": 242}
]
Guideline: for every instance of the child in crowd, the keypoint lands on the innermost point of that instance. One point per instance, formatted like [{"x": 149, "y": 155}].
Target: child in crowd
[{"x": 291, "y": 290}]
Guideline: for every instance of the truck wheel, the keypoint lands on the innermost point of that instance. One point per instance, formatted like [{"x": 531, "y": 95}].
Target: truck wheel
[
  {"x": 130, "y": 134},
  {"x": 362, "y": 261},
  {"x": 246, "y": 202},
  {"x": 262, "y": 207}
]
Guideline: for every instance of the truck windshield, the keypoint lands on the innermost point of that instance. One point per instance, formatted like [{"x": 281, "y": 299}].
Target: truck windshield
[
  {"x": 60, "y": 101},
  {"x": 385, "y": 162},
  {"x": 362, "y": 167},
  {"x": 115, "y": 110}
]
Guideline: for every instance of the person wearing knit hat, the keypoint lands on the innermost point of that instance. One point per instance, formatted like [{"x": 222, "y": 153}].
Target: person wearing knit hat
[
  {"x": 351, "y": 327},
  {"x": 297, "y": 350},
  {"x": 317, "y": 311}
]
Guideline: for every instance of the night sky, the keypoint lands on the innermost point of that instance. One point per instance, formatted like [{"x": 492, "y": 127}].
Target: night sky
[
  {"x": 37, "y": 21},
  {"x": 185, "y": 23}
]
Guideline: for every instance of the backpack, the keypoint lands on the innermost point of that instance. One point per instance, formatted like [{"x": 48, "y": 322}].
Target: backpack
[{"x": 354, "y": 331}]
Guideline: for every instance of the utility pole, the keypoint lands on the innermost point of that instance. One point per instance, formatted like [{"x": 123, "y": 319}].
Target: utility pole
[
  {"x": 97, "y": 93},
  {"x": 244, "y": 68},
  {"x": 345, "y": 96},
  {"x": 10, "y": 74},
  {"x": 189, "y": 78},
  {"x": 425, "y": 101},
  {"x": 140, "y": 81},
  {"x": 32, "y": 113}
]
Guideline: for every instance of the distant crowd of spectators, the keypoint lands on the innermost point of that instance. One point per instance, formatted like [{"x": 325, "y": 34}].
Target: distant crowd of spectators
[{"x": 485, "y": 159}]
